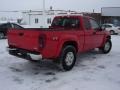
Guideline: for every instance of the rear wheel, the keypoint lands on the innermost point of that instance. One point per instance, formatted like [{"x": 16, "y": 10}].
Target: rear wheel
[
  {"x": 107, "y": 47},
  {"x": 68, "y": 58}
]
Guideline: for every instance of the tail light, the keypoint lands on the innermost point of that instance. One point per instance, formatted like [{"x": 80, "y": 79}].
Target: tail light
[{"x": 42, "y": 40}]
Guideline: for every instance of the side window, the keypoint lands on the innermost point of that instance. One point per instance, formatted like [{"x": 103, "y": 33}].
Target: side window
[
  {"x": 94, "y": 24},
  {"x": 86, "y": 23}
]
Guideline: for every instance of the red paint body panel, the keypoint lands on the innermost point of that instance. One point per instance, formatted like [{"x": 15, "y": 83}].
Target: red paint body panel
[{"x": 55, "y": 38}]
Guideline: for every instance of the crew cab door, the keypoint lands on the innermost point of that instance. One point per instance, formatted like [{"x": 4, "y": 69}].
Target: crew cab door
[
  {"x": 98, "y": 34},
  {"x": 88, "y": 36}
]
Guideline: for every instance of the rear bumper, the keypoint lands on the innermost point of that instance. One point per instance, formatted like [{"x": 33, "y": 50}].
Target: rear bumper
[{"x": 25, "y": 54}]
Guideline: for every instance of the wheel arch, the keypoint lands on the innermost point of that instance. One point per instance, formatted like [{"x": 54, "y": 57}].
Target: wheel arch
[
  {"x": 72, "y": 43},
  {"x": 107, "y": 37}
]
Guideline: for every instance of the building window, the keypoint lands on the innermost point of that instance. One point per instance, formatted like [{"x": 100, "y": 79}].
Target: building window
[
  {"x": 36, "y": 20},
  {"x": 49, "y": 21}
]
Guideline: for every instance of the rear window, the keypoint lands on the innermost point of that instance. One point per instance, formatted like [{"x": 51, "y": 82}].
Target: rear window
[{"x": 66, "y": 22}]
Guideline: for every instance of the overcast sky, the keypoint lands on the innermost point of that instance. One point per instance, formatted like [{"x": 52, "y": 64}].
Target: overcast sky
[{"x": 78, "y": 5}]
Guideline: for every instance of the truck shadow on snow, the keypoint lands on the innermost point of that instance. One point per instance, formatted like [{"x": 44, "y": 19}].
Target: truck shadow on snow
[
  {"x": 47, "y": 71},
  {"x": 88, "y": 56},
  {"x": 32, "y": 68},
  {"x": 47, "y": 67}
]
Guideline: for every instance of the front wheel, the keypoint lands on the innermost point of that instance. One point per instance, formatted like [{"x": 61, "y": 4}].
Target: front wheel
[
  {"x": 68, "y": 58},
  {"x": 107, "y": 47}
]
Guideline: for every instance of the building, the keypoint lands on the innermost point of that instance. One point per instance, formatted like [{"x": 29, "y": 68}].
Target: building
[
  {"x": 40, "y": 19},
  {"x": 10, "y": 16},
  {"x": 111, "y": 15}
]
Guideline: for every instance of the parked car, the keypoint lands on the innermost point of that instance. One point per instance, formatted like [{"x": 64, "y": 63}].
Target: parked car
[
  {"x": 5, "y": 26},
  {"x": 67, "y": 36},
  {"x": 111, "y": 28}
]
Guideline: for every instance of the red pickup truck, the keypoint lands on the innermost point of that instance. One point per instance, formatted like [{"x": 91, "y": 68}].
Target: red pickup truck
[{"x": 67, "y": 36}]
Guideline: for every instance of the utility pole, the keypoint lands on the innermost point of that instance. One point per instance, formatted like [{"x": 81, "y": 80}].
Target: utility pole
[
  {"x": 93, "y": 10},
  {"x": 44, "y": 13},
  {"x": 44, "y": 6}
]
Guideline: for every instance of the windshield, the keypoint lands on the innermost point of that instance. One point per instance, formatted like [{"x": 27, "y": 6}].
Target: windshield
[{"x": 66, "y": 22}]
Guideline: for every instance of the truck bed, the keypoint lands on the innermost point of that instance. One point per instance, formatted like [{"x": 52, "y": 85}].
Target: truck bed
[{"x": 29, "y": 39}]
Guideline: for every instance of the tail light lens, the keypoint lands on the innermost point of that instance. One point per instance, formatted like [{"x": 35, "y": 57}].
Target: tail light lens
[{"x": 42, "y": 40}]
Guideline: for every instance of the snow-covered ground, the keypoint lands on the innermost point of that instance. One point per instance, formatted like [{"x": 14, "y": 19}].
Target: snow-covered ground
[{"x": 93, "y": 71}]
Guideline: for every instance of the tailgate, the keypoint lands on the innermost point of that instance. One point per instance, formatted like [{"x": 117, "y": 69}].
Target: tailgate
[{"x": 25, "y": 39}]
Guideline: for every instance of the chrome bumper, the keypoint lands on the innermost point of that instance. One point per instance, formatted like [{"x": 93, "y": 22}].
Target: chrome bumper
[
  {"x": 35, "y": 57},
  {"x": 24, "y": 54}
]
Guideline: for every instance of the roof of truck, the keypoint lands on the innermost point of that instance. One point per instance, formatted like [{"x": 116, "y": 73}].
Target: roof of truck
[{"x": 74, "y": 16}]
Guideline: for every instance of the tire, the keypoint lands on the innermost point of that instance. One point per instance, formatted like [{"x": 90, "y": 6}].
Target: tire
[
  {"x": 68, "y": 58},
  {"x": 107, "y": 47},
  {"x": 2, "y": 35},
  {"x": 112, "y": 32}
]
